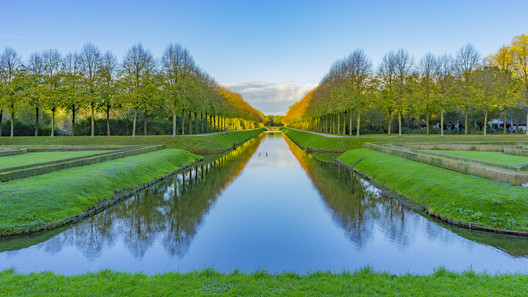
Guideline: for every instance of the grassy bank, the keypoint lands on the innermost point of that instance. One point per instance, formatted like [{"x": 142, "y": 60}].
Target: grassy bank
[
  {"x": 457, "y": 196},
  {"x": 29, "y": 158},
  {"x": 317, "y": 143},
  {"x": 31, "y": 203},
  {"x": 197, "y": 144},
  {"x": 495, "y": 157},
  {"x": 210, "y": 283}
]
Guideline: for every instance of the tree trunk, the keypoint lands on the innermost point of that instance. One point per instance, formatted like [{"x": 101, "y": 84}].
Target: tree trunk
[
  {"x": 108, "y": 119},
  {"x": 399, "y": 123},
  {"x": 190, "y": 123},
  {"x": 427, "y": 121},
  {"x": 195, "y": 123},
  {"x": 73, "y": 120},
  {"x": 134, "y": 124},
  {"x": 183, "y": 122},
  {"x": 466, "y": 121},
  {"x": 201, "y": 119},
  {"x": 344, "y": 122},
  {"x": 2, "y": 113},
  {"x": 338, "y": 122},
  {"x": 505, "y": 119},
  {"x": 207, "y": 123},
  {"x": 37, "y": 119},
  {"x": 12, "y": 121},
  {"x": 442, "y": 121},
  {"x": 145, "y": 132},
  {"x": 485, "y": 121},
  {"x": 174, "y": 123},
  {"x": 358, "y": 123},
  {"x": 53, "y": 122},
  {"x": 92, "y": 107},
  {"x": 350, "y": 124},
  {"x": 525, "y": 131},
  {"x": 390, "y": 123}
]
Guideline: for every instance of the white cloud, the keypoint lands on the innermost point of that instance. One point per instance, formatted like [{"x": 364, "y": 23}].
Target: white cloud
[{"x": 271, "y": 97}]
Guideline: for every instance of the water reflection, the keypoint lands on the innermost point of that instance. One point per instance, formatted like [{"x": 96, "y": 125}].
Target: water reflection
[
  {"x": 360, "y": 209},
  {"x": 267, "y": 205}
]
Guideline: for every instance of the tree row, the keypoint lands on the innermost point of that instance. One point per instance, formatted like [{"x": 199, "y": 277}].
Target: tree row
[
  {"x": 93, "y": 82},
  {"x": 434, "y": 85}
]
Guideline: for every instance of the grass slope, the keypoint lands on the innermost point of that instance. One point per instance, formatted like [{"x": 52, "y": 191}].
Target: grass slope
[
  {"x": 197, "y": 144},
  {"x": 495, "y": 157},
  {"x": 317, "y": 143},
  {"x": 260, "y": 283},
  {"x": 454, "y": 195},
  {"x": 39, "y": 200},
  {"x": 30, "y": 158}
]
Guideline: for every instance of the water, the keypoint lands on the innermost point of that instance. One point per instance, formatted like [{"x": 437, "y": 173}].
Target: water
[{"x": 282, "y": 212}]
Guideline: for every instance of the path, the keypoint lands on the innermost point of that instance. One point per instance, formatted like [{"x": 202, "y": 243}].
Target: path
[{"x": 319, "y": 133}]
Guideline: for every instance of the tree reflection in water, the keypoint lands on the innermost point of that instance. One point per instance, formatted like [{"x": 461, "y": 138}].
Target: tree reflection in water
[
  {"x": 170, "y": 211},
  {"x": 360, "y": 209}
]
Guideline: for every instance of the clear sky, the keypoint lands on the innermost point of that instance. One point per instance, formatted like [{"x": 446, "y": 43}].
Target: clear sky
[{"x": 270, "y": 51}]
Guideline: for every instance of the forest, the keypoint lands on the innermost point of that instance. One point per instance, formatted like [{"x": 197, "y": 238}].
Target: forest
[
  {"x": 461, "y": 93},
  {"x": 91, "y": 84}
]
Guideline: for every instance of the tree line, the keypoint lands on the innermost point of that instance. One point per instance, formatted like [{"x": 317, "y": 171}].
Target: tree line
[
  {"x": 91, "y": 82},
  {"x": 429, "y": 88}
]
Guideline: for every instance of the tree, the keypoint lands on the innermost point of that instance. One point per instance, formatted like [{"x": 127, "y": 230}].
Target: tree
[
  {"x": 519, "y": 53},
  {"x": 10, "y": 70},
  {"x": 388, "y": 84},
  {"x": 107, "y": 87},
  {"x": 427, "y": 69},
  {"x": 467, "y": 60},
  {"x": 403, "y": 65},
  {"x": 137, "y": 72},
  {"x": 444, "y": 74},
  {"x": 90, "y": 62},
  {"x": 34, "y": 72},
  {"x": 71, "y": 70},
  {"x": 53, "y": 81}
]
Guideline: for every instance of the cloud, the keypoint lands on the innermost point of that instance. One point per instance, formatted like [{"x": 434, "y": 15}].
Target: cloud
[{"x": 271, "y": 97}]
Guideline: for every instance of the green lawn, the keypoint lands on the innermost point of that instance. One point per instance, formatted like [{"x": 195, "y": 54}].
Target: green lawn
[
  {"x": 454, "y": 195},
  {"x": 318, "y": 143},
  {"x": 494, "y": 157},
  {"x": 30, "y": 158},
  {"x": 210, "y": 283},
  {"x": 196, "y": 144},
  {"x": 36, "y": 201}
]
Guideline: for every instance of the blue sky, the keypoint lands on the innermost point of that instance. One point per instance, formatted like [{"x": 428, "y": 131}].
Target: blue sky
[{"x": 270, "y": 51}]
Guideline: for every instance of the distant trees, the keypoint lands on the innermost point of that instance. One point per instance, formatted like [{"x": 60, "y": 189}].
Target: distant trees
[
  {"x": 90, "y": 82},
  {"x": 427, "y": 90}
]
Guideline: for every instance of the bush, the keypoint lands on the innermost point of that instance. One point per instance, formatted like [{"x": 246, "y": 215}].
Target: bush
[{"x": 25, "y": 129}]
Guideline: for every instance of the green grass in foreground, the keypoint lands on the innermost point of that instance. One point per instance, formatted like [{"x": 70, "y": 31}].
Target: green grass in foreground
[
  {"x": 458, "y": 196},
  {"x": 317, "y": 143},
  {"x": 30, "y": 158},
  {"x": 210, "y": 283},
  {"x": 495, "y": 157},
  {"x": 197, "y": 144},
  {"x": 55, "y": 196}
]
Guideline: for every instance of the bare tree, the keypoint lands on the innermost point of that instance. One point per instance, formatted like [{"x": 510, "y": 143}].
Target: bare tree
[{"x": 467, "y": 60}]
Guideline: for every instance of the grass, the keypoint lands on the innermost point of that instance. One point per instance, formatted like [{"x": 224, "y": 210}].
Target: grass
[
  {"x": 317, "y": 143},
  {"x": 30, "y": 158},
  {"x": 494, "y": 157},
  {"x": 40, "y": 200},
  {"x": 208, "y": 282},
  {"x": 197, "y": 144},
  {"x": 454, "y": 195}
]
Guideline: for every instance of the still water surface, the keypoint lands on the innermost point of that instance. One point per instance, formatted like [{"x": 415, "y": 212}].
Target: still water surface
[{"x": 267, "y": 205}]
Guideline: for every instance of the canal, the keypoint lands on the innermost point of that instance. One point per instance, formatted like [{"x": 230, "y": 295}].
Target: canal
[{"x": 267, "y": 205}]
